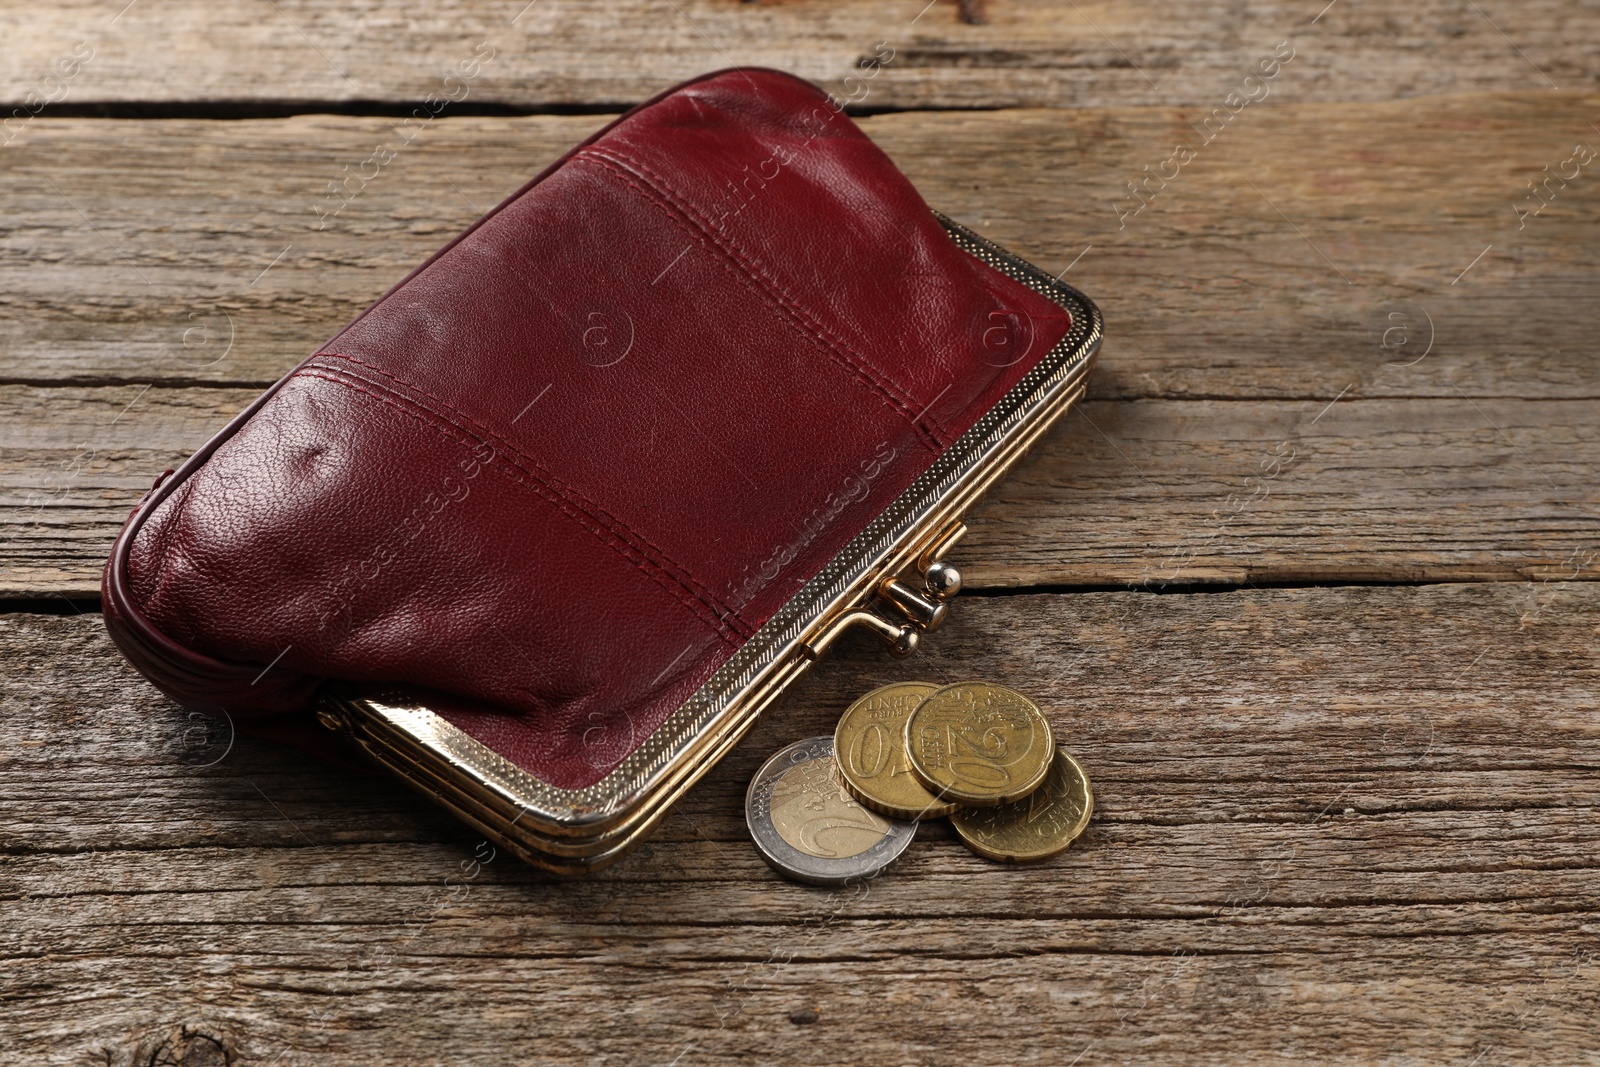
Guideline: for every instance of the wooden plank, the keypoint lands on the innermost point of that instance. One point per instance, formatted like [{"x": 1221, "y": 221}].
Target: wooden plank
[
  {"x": 72, "y": 464},
  {"x": 214, "y": 274},
  {"x": 1150, "y": 493},
  {"x": 1345, "y": 824},
  {"x": 202, "y": 260},
  {"x": 565, "y": 52}
]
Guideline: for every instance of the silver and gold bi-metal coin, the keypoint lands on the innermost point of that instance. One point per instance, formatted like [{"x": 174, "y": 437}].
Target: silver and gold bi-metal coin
[
  {"x": 808, "y": 827},
  {"x": 979, "y": 744},
  {"x": 870, "y": 745},
  {"x": 1040, "y": 825}
]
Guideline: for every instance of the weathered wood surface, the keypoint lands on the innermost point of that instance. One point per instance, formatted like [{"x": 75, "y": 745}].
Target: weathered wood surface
[
  {"x": 135, "y": 251},
  {"x": 1461, "y": 446},
  {"x": 298, "y": 53},
  {"x": 1152, "y": 493},
  {"x": 1335, "y": 825}
]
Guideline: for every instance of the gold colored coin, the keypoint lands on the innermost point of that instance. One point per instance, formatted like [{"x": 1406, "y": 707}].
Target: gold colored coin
[
  {"x": 870, "y": 746},
  {"x": 1040, "y": 825},
  {"x": 978, "y": 743}
]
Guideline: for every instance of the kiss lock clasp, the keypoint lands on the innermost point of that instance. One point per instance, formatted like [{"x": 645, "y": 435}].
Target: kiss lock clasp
[{"x": 924, "y": 609}]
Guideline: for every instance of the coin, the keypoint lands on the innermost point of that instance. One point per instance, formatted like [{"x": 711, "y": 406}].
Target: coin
[
  {"x": 978, "y": 743},
  {"x": 1038, "y": 826},
  {"x": 870, "y": 745},
  {"x": 808, "y": 827}
]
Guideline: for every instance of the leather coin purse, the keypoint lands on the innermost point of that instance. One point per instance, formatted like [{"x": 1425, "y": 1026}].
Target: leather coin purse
[{"x": 546, "y": 527}]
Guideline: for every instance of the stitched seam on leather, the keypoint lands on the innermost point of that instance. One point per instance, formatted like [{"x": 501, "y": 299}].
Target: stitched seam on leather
[
  {"x": 809, "y": 324},
  {"x": 785, "y": 306},
  {"x": 675, "y": 588},
  {"x": 752, "y": 264},
  {"x": 636, "y": 540},
  {"x": 612, "y": 539}
]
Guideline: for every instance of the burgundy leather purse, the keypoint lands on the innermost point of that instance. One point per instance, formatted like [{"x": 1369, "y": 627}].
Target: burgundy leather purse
[{"x": 547, "y": 526}]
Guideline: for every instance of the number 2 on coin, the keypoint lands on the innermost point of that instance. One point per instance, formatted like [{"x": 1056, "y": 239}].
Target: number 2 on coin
[{"x": 973, "y": 762}]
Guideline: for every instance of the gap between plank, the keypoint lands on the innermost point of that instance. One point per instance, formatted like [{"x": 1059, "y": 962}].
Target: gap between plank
[{"x": 64, "y": 605}]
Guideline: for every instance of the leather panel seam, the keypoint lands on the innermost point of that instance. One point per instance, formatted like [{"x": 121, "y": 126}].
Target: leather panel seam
[
  {"x": 781, "y": 303},
  {"x": 726, "y": 627},
  {"x": 753, "y": 266},
  {"x": 644, "y": 545}
]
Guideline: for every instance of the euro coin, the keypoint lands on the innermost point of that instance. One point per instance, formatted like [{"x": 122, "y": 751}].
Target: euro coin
[
  {"x": 870, "y": 745},
  {"x": 979, "y": 744},
  {"x": 1040, "y": 825},
  {"x": 809, "y": 828}
]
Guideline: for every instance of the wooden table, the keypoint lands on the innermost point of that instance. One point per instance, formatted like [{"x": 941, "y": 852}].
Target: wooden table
[{"x": 1307, "y": 585}]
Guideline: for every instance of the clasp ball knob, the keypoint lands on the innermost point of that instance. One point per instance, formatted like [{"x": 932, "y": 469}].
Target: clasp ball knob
[{"x": 942, "y": 580}]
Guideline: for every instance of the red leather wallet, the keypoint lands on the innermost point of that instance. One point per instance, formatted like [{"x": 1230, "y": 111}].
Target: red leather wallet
[{"x": 548, "y": 525}]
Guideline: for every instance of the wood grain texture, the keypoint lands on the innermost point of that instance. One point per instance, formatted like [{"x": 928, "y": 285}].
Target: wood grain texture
[
  {"x": 1461, "y": 449},
  {"x": 565, "y": 52},
  {"x": 188, "y": 251},
  {"x": 1150, "y": 493},
  {"x": 1347, "y": 825}
]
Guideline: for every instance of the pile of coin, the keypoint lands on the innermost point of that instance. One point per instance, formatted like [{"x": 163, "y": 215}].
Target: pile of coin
[{"x": 835, "y": 810}]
